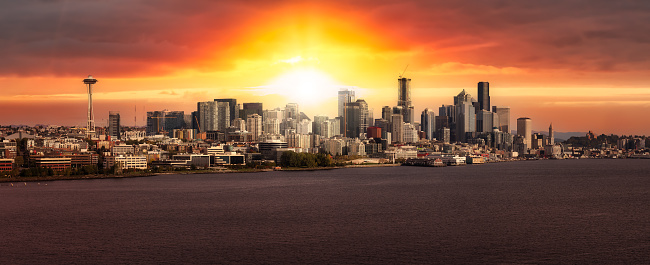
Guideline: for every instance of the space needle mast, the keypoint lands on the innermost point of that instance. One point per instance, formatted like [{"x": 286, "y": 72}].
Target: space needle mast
[{"x": 90, "y": 126}]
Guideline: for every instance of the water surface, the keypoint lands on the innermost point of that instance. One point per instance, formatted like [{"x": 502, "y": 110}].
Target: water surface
[{"x": 569, "y": 211}]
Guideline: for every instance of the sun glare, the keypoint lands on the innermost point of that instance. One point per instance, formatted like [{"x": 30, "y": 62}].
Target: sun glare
[{"x": 306, "y": 86}]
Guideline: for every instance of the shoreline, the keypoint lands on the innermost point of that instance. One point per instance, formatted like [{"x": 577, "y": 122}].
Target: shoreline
[
  {"x": 3, "y": 181},
  {"x": 202, "y": 171}
]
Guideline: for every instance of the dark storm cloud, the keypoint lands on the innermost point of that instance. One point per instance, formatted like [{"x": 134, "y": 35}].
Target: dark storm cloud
[
  {"x": 64, "y": 37},
  {"x": 153, "y": 37},
  {"x": 580, "y": 35}
]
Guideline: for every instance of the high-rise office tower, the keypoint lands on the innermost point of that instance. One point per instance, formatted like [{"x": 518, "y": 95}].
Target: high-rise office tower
[
  {"x": 254, "y": 126},
  {"x": 251, "y": 108},
  {"x": 317, "y": 125},
  {"x": 504, "y": 118},
  {"x": 114, "y": 125},
  {"x": 441, "y": 122},
  {"x": 428, "y": 122},
  {"x": 404, "y": 92},
  {"x": 291, "y": 112},
  {"x": 238, "y": 125},
  {"x": 404, "y": 99},
  {"x": 223, "y": 116},
  {"x": 551, "y": 136},
  {"x": 465, "y": 116},
  {"x": 385, "y": 127},
  {"x": 356, "y": 118},
  {"x": 483, "y": 96},
  {"x": 207, "y": 115},
  {"x": 164, "y": 122},
  {"x": 345, "y": 96},
  {"x": 386, "y": 112},
  {"x": 397, "y": 128},
  {"x": 409, "y": 115},
  {"x": 524, "y": 129},
  {"x": 233, "y": 110},
  {"x": 213, "y": 115},
  {"x": 484, "y": 120},
  {"x": 90, "y": 125},
  {"x": 272, "y": 126}
]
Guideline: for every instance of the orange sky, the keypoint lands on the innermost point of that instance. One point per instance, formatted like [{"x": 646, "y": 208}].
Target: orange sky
[{"x": 582, "y": 65}]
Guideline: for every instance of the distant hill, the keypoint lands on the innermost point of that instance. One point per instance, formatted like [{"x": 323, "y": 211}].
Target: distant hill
[{"x": 559, "y": 136}]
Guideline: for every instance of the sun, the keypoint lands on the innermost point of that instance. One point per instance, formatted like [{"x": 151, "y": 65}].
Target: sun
[{"x": 304, "y": 86}]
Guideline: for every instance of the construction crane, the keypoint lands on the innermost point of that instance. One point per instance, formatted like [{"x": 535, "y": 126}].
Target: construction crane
[
  {"x": 197, "y": 123},
  {"x": 158, "y": 123},
  {"x": 407, "y": 66}
]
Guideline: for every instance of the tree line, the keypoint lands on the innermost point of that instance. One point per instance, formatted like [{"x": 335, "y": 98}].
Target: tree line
[{"x": 305, "y": 160}]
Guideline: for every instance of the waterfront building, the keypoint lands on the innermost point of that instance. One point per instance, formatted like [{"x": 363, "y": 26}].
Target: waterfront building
[
  {"x": 6, "y": 164},
  {"x": 524, "y": 129},
  {"x": 126, "y": 162},
  {"x": 267, "y": 148},
  {"x": 54, "y": 163}
]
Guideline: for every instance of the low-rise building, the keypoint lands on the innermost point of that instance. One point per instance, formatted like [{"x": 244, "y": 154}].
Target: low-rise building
[
  {"x": 55, "y": 163},
  {"x": 126, "y": 162},
  {"x": 6, "y": 164}
]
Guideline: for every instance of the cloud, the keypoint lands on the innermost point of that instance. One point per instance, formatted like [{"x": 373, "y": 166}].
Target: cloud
[
  {"x": 456, "y": 68},
  {"x": 121, "y": 38}
]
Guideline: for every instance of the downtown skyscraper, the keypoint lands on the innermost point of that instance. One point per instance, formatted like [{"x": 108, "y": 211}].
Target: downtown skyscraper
[
  {"x": 114, "y": 129},
  {"x": 428, "y": 123},
  {"x": 404, "y": 102},
  {"x": 483, "y": 96}
]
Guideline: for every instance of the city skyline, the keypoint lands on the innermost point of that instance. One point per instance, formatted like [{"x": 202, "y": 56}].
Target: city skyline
[{"x": 588, "y": 76}]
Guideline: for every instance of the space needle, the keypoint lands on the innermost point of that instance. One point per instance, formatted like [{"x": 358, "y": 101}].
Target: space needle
[{"x": 90, "y": 126}]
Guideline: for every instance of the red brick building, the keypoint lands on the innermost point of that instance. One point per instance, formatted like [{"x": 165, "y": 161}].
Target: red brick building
[{"x": 373, "y": 132}]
